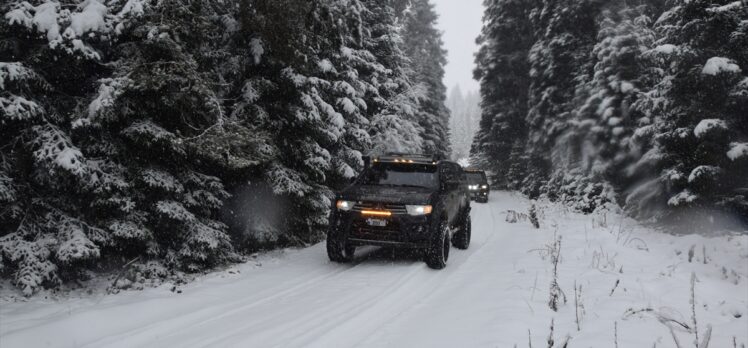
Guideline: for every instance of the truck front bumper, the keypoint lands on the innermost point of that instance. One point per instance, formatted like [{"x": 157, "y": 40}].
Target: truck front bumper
[
  {"x": 401, "y": 231},
  {"x": 482, "y": 194}
]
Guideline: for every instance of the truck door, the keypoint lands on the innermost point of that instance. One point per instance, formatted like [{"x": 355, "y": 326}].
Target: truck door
[
  {"x": 451, "y": 196},
  {"x": 464, "y": 192}
]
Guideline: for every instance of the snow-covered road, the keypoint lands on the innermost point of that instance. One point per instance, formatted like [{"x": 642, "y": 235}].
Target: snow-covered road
[{"x": 494, "y": 294}]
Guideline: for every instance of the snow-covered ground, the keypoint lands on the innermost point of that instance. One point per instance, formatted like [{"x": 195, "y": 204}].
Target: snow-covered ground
[{"x": 632, "y": 283}]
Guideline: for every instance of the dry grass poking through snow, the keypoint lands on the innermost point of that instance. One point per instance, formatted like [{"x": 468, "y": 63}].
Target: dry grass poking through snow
[{"x": 634, "y": 286}]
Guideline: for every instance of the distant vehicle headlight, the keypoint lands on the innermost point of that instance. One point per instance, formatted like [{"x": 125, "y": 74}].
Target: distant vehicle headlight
[
  {"x": 473, "y": 187},
  {"x": 484, "y": 186},
  {"x": 344, "y": 205},
  {"x": 416, "y": 210}
]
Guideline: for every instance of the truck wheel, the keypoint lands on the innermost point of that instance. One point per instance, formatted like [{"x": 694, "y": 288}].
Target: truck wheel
[
  {"x": 462, "y": 238},
  {"x": 338, "y": 250},
  {"x": 438, "y": 252}
]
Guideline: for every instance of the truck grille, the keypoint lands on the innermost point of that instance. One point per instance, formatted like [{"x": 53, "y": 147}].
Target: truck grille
[
  {"x": 396, "y": 209},
  {"x": 377, "y": 234}
]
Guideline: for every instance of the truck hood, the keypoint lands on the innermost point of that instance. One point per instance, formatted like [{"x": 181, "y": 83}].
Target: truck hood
[{"x": 388, "y": 194}]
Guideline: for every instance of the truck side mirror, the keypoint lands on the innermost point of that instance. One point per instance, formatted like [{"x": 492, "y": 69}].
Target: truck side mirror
[{"x": 367, "y": 161}]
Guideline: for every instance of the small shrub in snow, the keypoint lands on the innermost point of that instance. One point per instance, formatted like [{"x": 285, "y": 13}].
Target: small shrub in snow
[
  {"x": 578, "y": 305},
  {"x": 533, "y": 216},
  {"x": 513, "y": 217},
  {"x": 582, "y": 193},
  {"x": 31, "y": 262},
  {"x": 556, "y": 294}
]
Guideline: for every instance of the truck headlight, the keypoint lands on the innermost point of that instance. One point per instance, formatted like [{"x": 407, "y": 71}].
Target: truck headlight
[
  {"x": 416, "y": 210},
  {"x": 344, "y": 205},
  {"x": 484, "y": 186}
]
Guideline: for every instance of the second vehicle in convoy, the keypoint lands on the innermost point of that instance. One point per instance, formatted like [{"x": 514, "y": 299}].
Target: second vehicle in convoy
[
  {"x": 403, "y": 201},
  {"x": 478, "y": 185}
]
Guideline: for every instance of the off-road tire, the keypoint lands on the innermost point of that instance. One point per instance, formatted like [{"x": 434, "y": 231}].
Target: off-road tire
[
  {"x": 437, "y": 253},
  {"x": 461, "y": 239},
  {"x": 338, "y": 250}
]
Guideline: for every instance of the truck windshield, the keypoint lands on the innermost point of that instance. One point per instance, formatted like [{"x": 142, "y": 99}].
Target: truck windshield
[
  {"x": 475, "y": 178},
  {"x": 396, "y": 174}
]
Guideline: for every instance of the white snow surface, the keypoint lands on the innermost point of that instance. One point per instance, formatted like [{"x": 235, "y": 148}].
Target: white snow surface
[
  {"x": 325, "y": 65},
  {"x": 716, "y": 65},
  {"x": 257, "y": 49},
  {"x": 707, "y": 125},
  {"x": 495, "y": 294},
  {"x": 737, "y": 150},
  {"x": 666, "y": 49},
  {"x": 90, "y": 18},
  {"x": 725, "y": 8}
]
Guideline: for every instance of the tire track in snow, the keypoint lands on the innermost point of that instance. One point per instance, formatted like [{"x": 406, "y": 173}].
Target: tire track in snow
[
  {"x": 339, "y": 311},
  {"x": 214, "y": 313},
  {"x": 354, "y": 319},
  {"x": 469, "y": 258}
]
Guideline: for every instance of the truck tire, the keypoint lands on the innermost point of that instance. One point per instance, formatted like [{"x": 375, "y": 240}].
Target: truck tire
[
  {"x": 338, "y": 250},
  {"x": 437, "y": 253},
  {"x": 462, "y": 238}
]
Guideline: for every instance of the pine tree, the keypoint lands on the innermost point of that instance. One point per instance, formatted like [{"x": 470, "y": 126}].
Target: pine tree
[
  {"x": 618, "y": 106},
  {"x": 601, "y": 128},
  {"x": 503, "y": 70},
  {"x": 51, "y": 53},
  {"x": 424, "y": 48},
  {"x": 619, "y": 75},
  {"x": 693, "y": 146},
  {"x": 394, "y": 126},
  {"x": 566, "y": 32},
  {"x": 464, "y": 116}
]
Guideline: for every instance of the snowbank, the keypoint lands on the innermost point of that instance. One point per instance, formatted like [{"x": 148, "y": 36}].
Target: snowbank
[
  {"x": 614, "y": 282},
  {"x": 708, "y": 125},
  {"x": 716, "y": 65},
  {"x": 725, "y": 8},
  {"x": 737, "y": 151},
  {"x": 666, "y": 49}
]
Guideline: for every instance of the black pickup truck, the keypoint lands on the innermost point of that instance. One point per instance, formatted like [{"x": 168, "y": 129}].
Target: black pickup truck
[
  {"x": 403, "y": 201},
  {"x": 478, "y": 185}
]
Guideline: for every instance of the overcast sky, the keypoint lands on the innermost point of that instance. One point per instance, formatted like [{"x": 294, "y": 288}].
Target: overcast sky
[{"x": 460, "y": 21}]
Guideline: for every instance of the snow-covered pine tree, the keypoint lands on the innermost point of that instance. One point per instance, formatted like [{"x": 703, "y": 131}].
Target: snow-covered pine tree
[
  {"x": 695, "y": 146},
  {"x": 457, "y": 127},
  {"x": 472, "y": 112},
  {"x": 285, "y": 93},
  {"x": 424, "y": 47},
  {"x": 394, "y": 125},
  {"x": 335, "y": 85},
  {"x": 616, "y": 105},
  {"x": 464, "y": 117},
  {"x": 503, "y": 70},
  {"x": 157, "y": 192},
  {"x": 599, "y": 137},
  {"x": 51, "y": 53},
  {"x": 566, "y": 32},
  {"x": 606, "y": 117}
]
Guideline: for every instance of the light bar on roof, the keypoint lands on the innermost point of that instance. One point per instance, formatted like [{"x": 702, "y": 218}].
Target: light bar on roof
[{"x": 416, "y": 159}]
